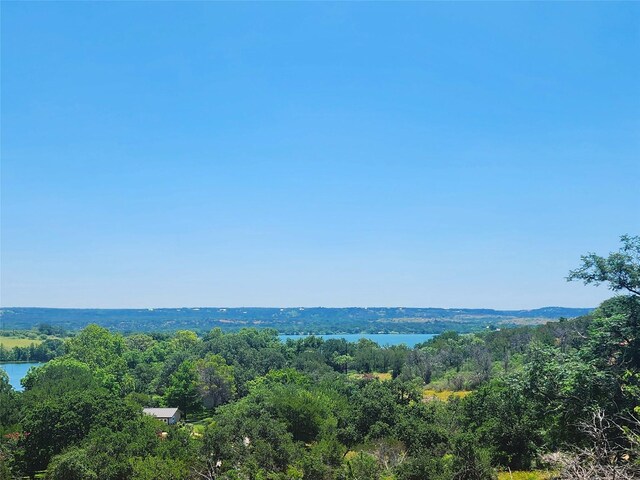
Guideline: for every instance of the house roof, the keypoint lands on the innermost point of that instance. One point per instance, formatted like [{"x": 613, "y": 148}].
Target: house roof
[{"x": 160, "y": 412}]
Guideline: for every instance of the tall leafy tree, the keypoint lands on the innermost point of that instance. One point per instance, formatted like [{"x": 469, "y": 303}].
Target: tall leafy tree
[
  {"x": 183, "y": 391},
  {"x": 216, "y": 381},
  {"x": 8, "y": 403},
  {"x": 620, "y": 270},
  {"x": 74, "y": 464}
]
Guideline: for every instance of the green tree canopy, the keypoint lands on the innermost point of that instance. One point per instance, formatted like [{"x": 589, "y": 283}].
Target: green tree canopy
[
  {"x": 621, "y": 269},
  {"x": 215, "y": 380},
  {"x": 182, "y": 391}
]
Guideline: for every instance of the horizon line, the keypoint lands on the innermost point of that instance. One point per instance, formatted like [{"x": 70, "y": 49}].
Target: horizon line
[{"x": 291, "y": 307}]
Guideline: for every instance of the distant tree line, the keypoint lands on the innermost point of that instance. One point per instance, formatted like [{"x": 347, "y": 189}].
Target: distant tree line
[
  {"x": 47, "y": 343},
  {"x": 35, "y": 352},
  {"x": 287, "y": 320}
]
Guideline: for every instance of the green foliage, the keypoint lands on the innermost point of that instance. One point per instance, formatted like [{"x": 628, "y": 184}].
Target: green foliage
[
  {"x": 9, "y": 406},
  {"x": 614, "y": 336},
  {"x": 244, "y": 433},
  {"x": 54, "y": 423},
  {"x": 96, "y": 346},
  {"x": 216, "y": 381},
  {"x": 74, "y": 464},
  {"x": 104, "y": 353},
  {"x": 470, "y": 461},
  {"x": 620, "y": 270},
  {"x": 5, "y": 471},
  {"x": 503, "y": 418},
  {"x": 58, "y": 377},
  {"x": 183, "y": 391},
  {"x": 158, "y": 468}
]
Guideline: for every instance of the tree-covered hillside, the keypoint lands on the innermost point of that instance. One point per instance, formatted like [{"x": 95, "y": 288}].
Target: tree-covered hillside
[{"x": 285, "y": 320}]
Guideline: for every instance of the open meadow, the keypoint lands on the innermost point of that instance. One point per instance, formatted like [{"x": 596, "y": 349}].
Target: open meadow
[{"x": 10, "y": 342}]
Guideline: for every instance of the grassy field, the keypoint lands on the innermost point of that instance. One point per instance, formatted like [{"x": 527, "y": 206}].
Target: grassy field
[
  {"x": 377, "y": 375},
  {"x": 534, "y": 475},
  {"x": 10, "y": 342},
  {"x": 198, "y": 423},
  {"x": 429, "y": 394}
]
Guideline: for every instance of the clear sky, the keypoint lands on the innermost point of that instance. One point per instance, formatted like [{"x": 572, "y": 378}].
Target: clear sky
[{"x": 337, "y": 154}]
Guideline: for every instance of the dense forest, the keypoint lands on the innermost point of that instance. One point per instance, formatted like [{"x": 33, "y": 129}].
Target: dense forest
[{"x": 559, "y": 400}]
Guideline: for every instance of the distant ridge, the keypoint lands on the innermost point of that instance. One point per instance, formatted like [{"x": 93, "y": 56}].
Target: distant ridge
[{"x": 317, "y": 320}]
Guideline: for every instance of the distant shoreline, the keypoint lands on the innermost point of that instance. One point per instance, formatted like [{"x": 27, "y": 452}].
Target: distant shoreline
[{"x": 316, "y": 320}]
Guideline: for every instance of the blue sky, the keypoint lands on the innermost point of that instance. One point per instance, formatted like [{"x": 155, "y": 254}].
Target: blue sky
[{"x": 338, "y": 154}]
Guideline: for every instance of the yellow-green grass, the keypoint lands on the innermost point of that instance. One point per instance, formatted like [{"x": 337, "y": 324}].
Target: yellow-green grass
[
  {"x": 199, "y": 425},
  {"x": 198, "y": 428},
  {"x": 10, "y": 342},
  {"x": 444, "y": 395},
  {"x": 350, "y": 455},
  {"x": 520, "y": 475},
  {"x": 377, "y": 375}
]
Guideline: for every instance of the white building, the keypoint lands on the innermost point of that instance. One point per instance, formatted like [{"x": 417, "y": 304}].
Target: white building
[{"x": 169, "y": 416}]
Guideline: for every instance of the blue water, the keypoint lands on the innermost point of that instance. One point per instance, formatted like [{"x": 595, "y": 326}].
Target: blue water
[
  {"x": 16, "y": 372},
  {"x": 382, "y": 339}
]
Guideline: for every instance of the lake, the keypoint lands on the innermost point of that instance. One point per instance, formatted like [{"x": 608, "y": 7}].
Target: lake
[
  {"x": 16, "y": 372},
  {"x": 382, "y": 339}
]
